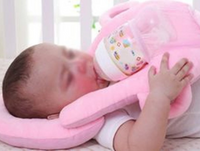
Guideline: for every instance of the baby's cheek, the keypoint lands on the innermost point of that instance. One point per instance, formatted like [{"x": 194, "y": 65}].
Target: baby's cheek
[{"x": 88, "y": 84}]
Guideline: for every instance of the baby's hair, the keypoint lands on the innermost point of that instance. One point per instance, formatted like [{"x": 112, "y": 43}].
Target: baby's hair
[{"x": 14, "y": 81}]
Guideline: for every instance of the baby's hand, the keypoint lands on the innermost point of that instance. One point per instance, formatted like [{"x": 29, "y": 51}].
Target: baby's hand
[{"x": 169, "y": 83}]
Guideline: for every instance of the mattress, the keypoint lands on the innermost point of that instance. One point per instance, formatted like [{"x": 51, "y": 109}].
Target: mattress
[{"x": 183, "y": 144}]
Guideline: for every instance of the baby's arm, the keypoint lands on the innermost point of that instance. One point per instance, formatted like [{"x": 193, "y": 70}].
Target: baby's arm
[{"x": 148, "y": 132}]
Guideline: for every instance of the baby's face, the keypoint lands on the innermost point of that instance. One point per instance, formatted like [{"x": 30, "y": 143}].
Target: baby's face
[{"x": 60, "y": 76}]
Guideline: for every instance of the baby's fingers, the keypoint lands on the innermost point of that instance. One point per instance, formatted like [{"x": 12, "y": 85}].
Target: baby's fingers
[
  {"x": 164, "y": 61},
  {"x": 184, "y": 70},
  {"x": 186, "y": 80},
  {"x": 152, "y": 72},
  {"x": 177, "y": 67}
]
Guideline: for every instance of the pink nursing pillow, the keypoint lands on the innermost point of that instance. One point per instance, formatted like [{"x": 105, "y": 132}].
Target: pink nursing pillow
[
  {"x": 129, "y": 91},
  {"x": 43, "y": 133},
  {"x": 187, "y": 31},
  {"x": 118, "y": 10}
]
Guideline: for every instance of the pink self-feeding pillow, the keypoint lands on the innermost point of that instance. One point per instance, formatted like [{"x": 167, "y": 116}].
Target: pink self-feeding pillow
[
  {"x": 185, "y": 22},
  {"x": 61, "y": 133},
  {"x": 124, "y": 93},
  {"x": 43, "y": 133}
]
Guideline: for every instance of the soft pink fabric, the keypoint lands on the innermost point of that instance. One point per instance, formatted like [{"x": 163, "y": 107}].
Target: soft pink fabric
[
  {"x": 43, "y": 133},
  {"x": 186, "y": 44}
]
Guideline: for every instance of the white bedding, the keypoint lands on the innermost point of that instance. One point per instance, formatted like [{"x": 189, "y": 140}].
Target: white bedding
[{"x": 185, "y": 144}]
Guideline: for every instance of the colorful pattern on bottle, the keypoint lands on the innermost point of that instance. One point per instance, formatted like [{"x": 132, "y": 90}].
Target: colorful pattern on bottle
[{"x": 124, "y": 50}]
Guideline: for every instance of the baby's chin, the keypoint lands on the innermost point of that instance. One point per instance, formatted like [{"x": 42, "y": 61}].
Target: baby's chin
[{"x": 102, "y": 83}]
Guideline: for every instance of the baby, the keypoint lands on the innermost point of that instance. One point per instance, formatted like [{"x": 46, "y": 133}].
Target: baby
[{"x": 45, "y": 78}]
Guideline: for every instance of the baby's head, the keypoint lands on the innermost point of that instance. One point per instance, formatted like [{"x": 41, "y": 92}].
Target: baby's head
[{"x": 45, "y": 78}]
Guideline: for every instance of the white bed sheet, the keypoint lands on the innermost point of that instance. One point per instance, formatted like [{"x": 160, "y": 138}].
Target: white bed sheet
[{"x": 184, "y": 144}]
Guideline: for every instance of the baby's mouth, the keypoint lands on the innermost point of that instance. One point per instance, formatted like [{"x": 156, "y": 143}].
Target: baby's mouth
[{"x": 100, "y": 81}]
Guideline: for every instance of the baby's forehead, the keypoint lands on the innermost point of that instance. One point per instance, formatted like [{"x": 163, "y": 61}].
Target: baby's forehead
[{"x": 46, "y": 53}]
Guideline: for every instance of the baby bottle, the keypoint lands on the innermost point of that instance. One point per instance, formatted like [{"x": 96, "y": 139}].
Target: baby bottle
[{"x": 130, "y": 46}]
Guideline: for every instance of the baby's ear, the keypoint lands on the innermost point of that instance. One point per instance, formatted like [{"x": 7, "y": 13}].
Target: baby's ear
[{"x": 53, "y": 116}]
